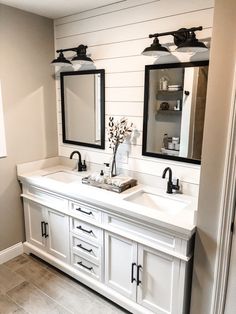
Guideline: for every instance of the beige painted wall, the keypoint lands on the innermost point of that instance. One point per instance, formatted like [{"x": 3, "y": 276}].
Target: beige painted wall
[
  {"x": 29, "y": 104},
  {"x": 221, "y": 72}
]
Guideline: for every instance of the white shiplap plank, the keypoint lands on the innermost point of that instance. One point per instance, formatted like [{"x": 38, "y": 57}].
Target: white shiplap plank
[
  {"x": 125, "y": 94},
  {"x": 123, "y": 64},
  {"x": 119, "y": 108},
  {"x": 140, "y": 31},
  {"x": 137, "y": 121},
  {"x": 125, "y": 79},
  {"x": 133, "y": 15},
  {"x": 120, "y": 5}
]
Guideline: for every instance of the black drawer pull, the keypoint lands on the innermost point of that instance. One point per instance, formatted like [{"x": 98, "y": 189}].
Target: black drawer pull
[
  {"x": 87, "y": 231},
  {"x": 132, "y": 272},
  {"x": 83, "y": 211},
  {"x": 81, "y": 264},
  {"x": 138, "y": 269},
  {"x": 84, "y": 248},
  {"x": 43, "y": 228},
  {"x": 46, "y": 234}
]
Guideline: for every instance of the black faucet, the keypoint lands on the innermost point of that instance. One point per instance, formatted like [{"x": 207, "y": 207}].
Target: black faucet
[
  {"x": 170, "y": 185},
  {"x": 81, "y": 167}
]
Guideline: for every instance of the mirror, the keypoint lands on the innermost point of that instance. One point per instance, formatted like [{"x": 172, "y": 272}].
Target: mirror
[
  {"x": 174, "y": 110},
  {"x": 83, "y": 108}
]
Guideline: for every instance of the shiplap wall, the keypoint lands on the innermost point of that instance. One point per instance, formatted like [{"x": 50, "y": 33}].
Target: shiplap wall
[{"x": 115, "y": 36}]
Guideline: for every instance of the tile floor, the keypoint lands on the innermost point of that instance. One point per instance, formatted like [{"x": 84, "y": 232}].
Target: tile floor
[{"x": 28, "y": 285}]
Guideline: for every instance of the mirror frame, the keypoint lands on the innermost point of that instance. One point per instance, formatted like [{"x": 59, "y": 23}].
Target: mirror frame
[
  {"x": 102, "y": 108},
  {"x": 145, "y": 109}
]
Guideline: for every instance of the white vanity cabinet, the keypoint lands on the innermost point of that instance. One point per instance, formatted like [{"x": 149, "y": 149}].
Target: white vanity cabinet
[
  {"x": 120, "y": 259},
  {"x": 151, "y": 278},
  {"x": 141, "y": 266},
  {"x": 47, "y": 229},
  {"x": 160, "y": 281}
]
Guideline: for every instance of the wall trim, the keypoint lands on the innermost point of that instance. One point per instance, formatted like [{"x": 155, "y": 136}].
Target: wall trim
[
  {"x": 11, "y": 252},
  {"x": 227, "y": 215}
]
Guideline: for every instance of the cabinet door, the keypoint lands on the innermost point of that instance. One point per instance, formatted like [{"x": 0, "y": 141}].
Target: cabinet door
[
  {"x": 58, "y": 234},
  {"x": 159, "y": 287},
  {"x": 120, "y": 258},
  {"x": 34, "y": 217}
]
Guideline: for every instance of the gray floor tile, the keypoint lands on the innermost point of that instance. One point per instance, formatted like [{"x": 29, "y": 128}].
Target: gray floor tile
[
  {"x": 8, "y": 279},
  {"x": 35, "y": 301},
  {"x": 17, "y": 262},
  {"x": 7, "y": 306},
  {"x": 73, "y": 297},
  {"x": 37, "y": 287}
]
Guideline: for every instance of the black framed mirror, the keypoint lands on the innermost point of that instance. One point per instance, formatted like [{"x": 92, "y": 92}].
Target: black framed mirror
[
  {"x": 174, "y": 110},
  {"x": 83, "y": 108}
]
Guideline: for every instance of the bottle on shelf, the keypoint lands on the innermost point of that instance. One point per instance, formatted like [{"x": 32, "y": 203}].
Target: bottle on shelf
[
  {"x": 165, "y": 141},
  {"x": 163, "y": 83}
]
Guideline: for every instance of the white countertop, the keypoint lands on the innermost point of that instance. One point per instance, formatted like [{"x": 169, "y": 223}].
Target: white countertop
[{"x": 181, "y": 222}]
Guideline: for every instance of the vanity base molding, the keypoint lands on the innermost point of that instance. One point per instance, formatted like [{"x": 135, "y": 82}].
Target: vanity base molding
[{"x": 99, "y": 287}]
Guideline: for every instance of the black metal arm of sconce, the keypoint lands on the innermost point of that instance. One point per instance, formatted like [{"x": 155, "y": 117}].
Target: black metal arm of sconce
[
  {"x": 80, "y": 48},
  {"x": 180, "y": 35}
]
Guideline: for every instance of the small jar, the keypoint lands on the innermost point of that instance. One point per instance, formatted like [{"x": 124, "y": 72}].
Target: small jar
[
  {"x": 107, "y": 171},
  {"x": 177, "y": 145},
  {"x": 170, "y": 145},
  {"x": 175, "y": 140}
]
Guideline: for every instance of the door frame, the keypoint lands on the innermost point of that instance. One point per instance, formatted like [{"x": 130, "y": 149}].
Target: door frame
[{"x": 227, "y": 213}]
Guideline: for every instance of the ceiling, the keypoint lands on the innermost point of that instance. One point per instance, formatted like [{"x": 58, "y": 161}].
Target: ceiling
[{"x": 57, "y": 8}]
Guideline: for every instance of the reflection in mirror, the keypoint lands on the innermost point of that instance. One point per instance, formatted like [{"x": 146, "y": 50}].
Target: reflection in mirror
[
  {"x": 174, "y": 110},
  {"x": 83, "y": 103}
]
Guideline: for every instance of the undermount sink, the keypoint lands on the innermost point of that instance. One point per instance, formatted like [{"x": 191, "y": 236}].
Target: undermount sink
[
  {"x": 63, "y": 176},
  {"x": 157, "y": 202}
]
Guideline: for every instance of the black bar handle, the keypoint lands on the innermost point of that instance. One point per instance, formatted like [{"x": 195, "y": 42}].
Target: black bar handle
[
  {"x": 132, "y": 272},
  {"x": 83, "y": 211},
  {"x": 81, "y": 264},
  {"x": 45, "y": 226},
  {"x": 42, "y": 228},
  {"x": 84, "y": 248},
  {"x": 138, "y": 280},
  {"x": 87, "y": 231}
]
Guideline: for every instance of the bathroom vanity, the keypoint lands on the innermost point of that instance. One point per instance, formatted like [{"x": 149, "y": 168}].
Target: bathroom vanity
[{"x": 135, "y": 248}]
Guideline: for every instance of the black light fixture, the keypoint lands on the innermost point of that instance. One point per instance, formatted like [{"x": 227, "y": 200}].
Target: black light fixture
[
  {"x": 184, "y": 38},
  {"x": 186, "y": 41},
  {"x": 156, "y": 48},
  {"x": 79, "y": 58},
  {"x": 60, "y": 60}
]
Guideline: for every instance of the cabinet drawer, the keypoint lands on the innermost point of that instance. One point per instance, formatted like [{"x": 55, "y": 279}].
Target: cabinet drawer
[
  {"x": 84, "y": 211},
  {"x": 48, "y": 199},
  {"x": 86, "y": 230},
  {"x": 89, "y": 251},
  {"x": 86, "y": 266},
  {"x": 128, "y": 228}
]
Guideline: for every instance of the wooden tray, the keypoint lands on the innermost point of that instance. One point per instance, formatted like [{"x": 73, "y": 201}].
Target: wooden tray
[{"x": 110, "y": 187}]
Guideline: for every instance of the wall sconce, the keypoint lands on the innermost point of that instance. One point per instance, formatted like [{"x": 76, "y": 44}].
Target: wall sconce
[
  {"x": 80, "y": 57},
  {"x": 184, "y": 38}
]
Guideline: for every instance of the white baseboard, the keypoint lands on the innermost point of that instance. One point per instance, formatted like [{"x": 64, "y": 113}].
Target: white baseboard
[{"x": 11, "y": 252}]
